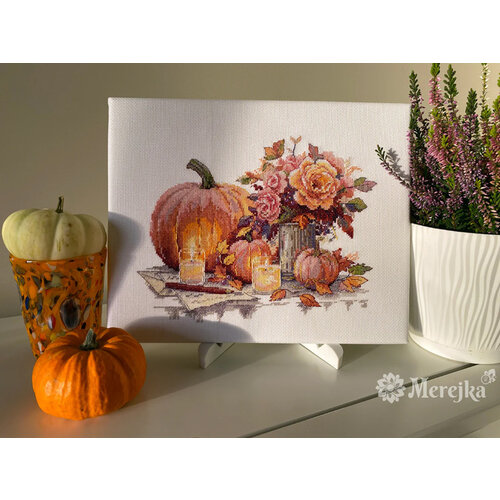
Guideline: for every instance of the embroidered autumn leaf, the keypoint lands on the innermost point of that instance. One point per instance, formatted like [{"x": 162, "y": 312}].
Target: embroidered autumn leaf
[
  {"x": 343, "y": 262},
  {"x": 314, "y": 153},
  {"x": 359, "y": 269},
  {"x": 243, "y": 231},
  {"x": 345, "y": 223},
  {"x": 216, "y": 279},
  {"x": 246, "y": 220},
  {"x": 220, "y": 271},
  {"x": 244, "y": 179},
  {"x": 355, "y": 205},
  {"x": 276, "y": 151},
  {"x": 322, "y": 288},
  {"x": 250, "y": 177},
  {"x": 220, "y": 274},
  {"x": 265, "y": 165},
  {"x": 222, "y": 247},
  {"x": 308, "y": 300},
  {"x": 236, "y": 284},
  {"x": 229, "y": 259},
  {"x": 296, "y": 141},
  {"x": 256, "y": 174},
  {"x": 364, "y": 185},
  {"x": 350, "y": 169},
  {"x": 303, "y": 220},
  {"x": 352, "y": 281},
  {"x": 353, "y": 256},
  {"x": 278, "y": 295},
  {"x": 310, "y": 283}
]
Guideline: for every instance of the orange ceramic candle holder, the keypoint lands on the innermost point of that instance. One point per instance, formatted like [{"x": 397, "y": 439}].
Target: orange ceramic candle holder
[{"x": 58, "y": 296}]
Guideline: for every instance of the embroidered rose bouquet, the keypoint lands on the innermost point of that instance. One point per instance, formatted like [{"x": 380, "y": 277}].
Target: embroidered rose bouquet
[
  {"x": 316, "y": 192},
  {"x": 311, "y": 186}
]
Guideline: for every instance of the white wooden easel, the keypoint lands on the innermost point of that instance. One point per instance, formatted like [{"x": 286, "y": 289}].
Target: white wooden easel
[{"x": 332, "y": 354}]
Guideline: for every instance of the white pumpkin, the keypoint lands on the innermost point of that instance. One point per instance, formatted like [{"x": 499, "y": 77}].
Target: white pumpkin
[{"x": 46, "y": 234}]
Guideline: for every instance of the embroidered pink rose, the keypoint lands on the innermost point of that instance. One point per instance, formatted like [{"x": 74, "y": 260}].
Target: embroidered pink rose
[
  {"x": 289, "y": 163},
  {"x": 334, "y": 161},
  {"x": 276, "y": 181},
  {"x": 268, "y": 205},
  {"x": 346, "y": 191}
]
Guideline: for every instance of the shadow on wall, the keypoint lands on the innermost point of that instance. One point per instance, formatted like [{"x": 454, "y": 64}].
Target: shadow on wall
[{"x": 124, "y": 237}]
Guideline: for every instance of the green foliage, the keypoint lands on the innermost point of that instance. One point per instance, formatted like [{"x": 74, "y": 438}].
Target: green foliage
[
  {"x": 471, "y": 107},
  {"x": 435, "y": 69},
  {"x": 450, "y": 83},
  {"x": 496, "y": 105},
  {"x": 485, "y": 113},
  {"x": 359, "y": 269},
  {"x": 381, "y": 153},
  {"x": 415, "y": 87},
  {"x": 484, "y": 90},
  {"x": 287, "y": 214},
  {"x": 355, "y": 205},
  {"x": 244, "y": 180}
]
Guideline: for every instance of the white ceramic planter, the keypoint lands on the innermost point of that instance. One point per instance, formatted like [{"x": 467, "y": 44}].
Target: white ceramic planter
[{"x": 455, "y": 294}]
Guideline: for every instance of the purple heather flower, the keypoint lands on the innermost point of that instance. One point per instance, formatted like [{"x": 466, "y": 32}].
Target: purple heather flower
[{"x": 454, "y": 163}]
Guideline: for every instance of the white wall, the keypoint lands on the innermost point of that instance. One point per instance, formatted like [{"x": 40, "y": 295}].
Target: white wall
[{"x": 53, "y": 119}]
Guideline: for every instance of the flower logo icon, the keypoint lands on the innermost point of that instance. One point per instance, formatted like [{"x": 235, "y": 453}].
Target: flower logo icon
[
  {"x": 489, "y": 376},
  {"x": 390, "y": 387}
]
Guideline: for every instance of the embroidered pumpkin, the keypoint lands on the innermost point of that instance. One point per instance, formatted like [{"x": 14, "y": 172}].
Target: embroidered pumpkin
[
  {"x": 80, "y": 376},
  {"x": 191, "y": 215},
  {"x": 46, "y": 234},
  {"x": 244, "y": 251},
  {"x": 315, "y": 265}
]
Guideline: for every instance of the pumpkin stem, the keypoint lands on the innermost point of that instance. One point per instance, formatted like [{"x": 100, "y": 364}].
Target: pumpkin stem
[
  {"x": 60, "y": 205},
  {"x": 90, "y": 342},
  {"x": 207, "y": 180}
]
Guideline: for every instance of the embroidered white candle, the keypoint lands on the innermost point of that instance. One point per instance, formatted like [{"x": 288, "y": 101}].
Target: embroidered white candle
[
  {"x": 191, "y": 266},
  {"x": 266, "y": 276}
]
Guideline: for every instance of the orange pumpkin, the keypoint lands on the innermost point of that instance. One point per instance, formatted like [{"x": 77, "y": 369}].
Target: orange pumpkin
[
  {"x": 244, "y": 251},
  {"x": 314, "y": 265},
  {"x": 191, "y": 215},
  {"x": 80, "y": 376}
]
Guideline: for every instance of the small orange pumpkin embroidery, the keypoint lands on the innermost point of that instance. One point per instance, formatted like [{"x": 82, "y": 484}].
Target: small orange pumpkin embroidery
[
  {"x": 244, "y": 251},
  {"x": 313, "y": 266}
]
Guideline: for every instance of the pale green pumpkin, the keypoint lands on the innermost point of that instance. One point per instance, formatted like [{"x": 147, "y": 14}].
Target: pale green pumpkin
[{"x": 45, "y": 234}]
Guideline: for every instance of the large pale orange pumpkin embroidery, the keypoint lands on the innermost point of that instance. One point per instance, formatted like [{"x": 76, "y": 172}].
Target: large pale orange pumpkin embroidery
[
  {"x": 244, "y": 251},
  {"x": 191, "y": 215},
  {"x": 86, "y": 375},
  {"x": 313, "y": 266}
]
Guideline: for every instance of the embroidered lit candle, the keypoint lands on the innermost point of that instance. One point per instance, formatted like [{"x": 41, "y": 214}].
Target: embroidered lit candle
[
  {"x": 192, "y": 266},
  {"x": 266, "y": 276}
]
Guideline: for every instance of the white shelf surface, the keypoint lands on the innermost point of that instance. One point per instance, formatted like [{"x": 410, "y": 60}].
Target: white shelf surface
[{"x": 253, "y": 390}]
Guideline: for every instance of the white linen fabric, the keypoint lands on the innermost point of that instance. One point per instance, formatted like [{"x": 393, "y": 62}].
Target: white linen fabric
[{"x": 150, "y": 143}]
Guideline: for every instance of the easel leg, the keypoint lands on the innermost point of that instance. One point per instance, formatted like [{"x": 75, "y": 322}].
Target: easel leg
[
  {"x": 330, "y": 353},
  {"x": 208, "y": 352}
]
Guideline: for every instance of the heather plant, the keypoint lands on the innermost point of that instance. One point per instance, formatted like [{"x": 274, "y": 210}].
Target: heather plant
[{"x": 454, "y": 159}]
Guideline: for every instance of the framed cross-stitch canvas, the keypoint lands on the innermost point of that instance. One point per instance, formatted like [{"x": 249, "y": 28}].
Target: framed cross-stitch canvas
[{"x": 257, "y": 221}]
